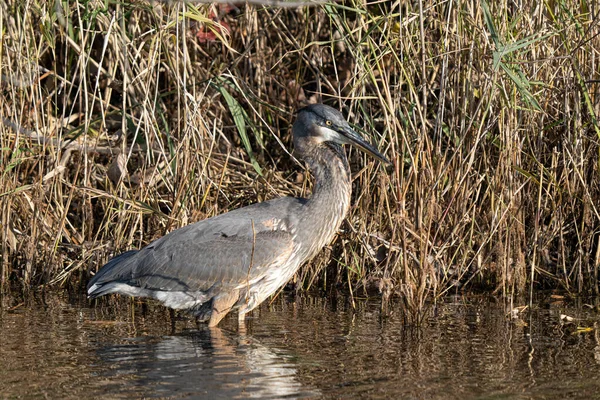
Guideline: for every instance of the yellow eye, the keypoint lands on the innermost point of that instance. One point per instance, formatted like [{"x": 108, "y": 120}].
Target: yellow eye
[{"x": 328, "y": 123}]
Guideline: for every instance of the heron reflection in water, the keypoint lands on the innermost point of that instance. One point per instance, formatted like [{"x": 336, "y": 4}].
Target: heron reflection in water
[{"x": 238, "y": 259}]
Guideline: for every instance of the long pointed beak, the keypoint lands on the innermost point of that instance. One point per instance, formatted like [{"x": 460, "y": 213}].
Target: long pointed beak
[{"x": 358, "y": 141}]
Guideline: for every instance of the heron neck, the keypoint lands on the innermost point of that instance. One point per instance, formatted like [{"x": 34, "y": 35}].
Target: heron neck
[{"x": 330, "y": 199}]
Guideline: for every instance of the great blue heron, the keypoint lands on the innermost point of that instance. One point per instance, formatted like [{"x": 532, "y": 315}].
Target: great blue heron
[{"x": 238, "y": 259}]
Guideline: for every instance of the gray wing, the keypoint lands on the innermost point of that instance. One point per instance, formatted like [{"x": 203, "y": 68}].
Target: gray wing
[{"x": 226, "y": 250}]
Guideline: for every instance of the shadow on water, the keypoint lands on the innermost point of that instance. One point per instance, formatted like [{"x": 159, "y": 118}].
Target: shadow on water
[{"x": 302, "y": 348}]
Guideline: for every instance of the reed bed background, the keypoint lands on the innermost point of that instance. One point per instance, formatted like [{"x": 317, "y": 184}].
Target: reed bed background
[{"x": 122, "y": 121}]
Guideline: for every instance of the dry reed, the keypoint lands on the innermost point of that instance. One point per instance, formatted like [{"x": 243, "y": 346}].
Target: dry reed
[{"x": 124, "y": 120}]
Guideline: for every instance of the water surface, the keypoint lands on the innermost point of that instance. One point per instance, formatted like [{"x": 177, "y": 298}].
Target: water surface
[{"x": 301, "y": 348}]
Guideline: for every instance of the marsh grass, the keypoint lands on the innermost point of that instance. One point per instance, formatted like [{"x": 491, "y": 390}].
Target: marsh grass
[{"x": 123, "y": 121}]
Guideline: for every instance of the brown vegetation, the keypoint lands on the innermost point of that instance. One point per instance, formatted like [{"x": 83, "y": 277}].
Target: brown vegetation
[{"x": 122, "y": 123}]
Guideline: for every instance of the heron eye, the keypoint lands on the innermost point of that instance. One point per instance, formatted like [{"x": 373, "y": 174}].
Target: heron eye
[{"x": 328, "y": 123}]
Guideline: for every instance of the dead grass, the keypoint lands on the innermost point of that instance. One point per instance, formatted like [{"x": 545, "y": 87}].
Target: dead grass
[{"x": 125, "y": 122}]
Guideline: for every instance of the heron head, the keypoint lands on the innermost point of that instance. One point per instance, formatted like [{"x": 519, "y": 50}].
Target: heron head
[{"x": 318, "y": 123}]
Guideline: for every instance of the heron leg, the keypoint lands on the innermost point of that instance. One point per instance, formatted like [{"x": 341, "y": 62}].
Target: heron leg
[
  {"x": 221, "y": 305},
  {"x": 242, "y": 323}
]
